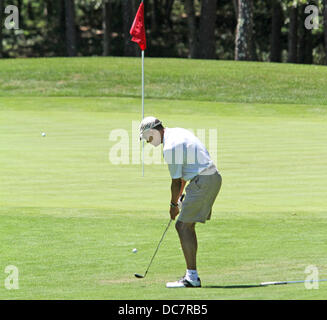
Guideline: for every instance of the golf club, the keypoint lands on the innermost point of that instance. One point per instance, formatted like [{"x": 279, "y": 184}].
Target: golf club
[
  {"x": 289, "y": 282},
  {"x": 137, "y": 275}
]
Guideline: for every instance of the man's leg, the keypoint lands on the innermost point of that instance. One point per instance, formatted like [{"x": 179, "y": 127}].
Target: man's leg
[{"x": 187, "y": 236}]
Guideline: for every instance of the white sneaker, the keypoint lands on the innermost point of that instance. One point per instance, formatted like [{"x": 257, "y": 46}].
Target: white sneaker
[{"x": 184, "y": 283}]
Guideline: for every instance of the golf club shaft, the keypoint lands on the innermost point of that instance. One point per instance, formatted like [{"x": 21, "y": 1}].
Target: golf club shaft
[
  {"x": 157, "y": 247},
  {"x": 290, "y": 282}
]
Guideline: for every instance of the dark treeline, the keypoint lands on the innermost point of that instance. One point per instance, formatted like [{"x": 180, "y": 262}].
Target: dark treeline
[{"x": 256, "y": 30}]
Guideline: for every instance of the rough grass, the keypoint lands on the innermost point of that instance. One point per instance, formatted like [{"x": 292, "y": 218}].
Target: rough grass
[{"x": 223, "y": 81}]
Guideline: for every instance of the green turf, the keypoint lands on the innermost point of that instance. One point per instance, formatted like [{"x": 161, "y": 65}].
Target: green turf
[
  {"x": 223, "y": 81},
  {"x": 69, "y": 219}
]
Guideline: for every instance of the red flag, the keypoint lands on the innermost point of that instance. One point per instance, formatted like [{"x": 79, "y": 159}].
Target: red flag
[{"x": 138, "y": 28}]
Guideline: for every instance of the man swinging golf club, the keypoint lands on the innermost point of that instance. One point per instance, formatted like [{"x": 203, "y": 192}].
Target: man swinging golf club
[{"x": 188, "y": 160}]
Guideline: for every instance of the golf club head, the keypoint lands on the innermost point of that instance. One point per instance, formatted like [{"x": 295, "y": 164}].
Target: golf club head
[{"x": 137, "y": 275}]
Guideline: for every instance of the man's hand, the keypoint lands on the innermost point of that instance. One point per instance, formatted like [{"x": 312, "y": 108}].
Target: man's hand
[
  {"x": 174, "y": 211},
  {"x": 180, "y": 201}
]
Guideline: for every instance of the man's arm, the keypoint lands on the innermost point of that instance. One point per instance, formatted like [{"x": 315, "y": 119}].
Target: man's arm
[
  {"x": 183, "y": 183},
  {"x": 176, "y": 185},
  {"x": 177, "y": 188}
]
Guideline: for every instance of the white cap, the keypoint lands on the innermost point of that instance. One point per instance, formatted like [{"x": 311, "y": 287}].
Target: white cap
[{"x": 147, "y": 124}]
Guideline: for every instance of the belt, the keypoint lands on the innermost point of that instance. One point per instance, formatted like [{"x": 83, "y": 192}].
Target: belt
[
  {"x": 209, "y": 170},
  {"x": 206, "y": 171}
]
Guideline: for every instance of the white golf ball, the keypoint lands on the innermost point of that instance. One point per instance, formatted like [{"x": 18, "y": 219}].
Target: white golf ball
[
  {"x": 43, "y": 134},
  {"x": 134, "y": 250}
]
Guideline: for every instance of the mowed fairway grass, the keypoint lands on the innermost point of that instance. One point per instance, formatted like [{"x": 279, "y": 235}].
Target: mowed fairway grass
[{"x": 69, "y": 217}]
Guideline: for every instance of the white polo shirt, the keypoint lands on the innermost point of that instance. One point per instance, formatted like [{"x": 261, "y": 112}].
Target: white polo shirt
[{"x": 185, "y": 154}]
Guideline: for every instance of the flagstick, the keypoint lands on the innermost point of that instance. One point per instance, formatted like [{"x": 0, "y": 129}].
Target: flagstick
[{"x": 143, "y": 110}]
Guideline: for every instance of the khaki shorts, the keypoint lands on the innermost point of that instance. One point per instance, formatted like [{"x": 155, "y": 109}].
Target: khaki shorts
[{"x": 200, "y": 196}]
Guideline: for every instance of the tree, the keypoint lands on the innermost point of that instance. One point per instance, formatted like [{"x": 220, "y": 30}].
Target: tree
[
  {"x": 308, "y": 55},
  {"x": 20, "y": 17},
  {"x": 224, "y": 29},
  {"x": 305, "y": 40},
  {"x": 61, "y": 28},
  {"x": 128, "y": 13},
  {"x": 207, "y": 42},
  {"x": 191, "y": 23},
  {"x": 168, "y": 10},
  {"x": 107, "y": 14},
  {"x": 244, "y": 31},
  {"x": 276, "y": 32},
  {"x": 155, "y": 17},
  {"x": 70, "y": 28},
  {"x": 49, "y": 12},
  {"x": 235, "y": 5},
  {"x": 293, "y": 34},
  {"x": 1, "y": 26},
  {"x": 325, "y": 27},
  {"x": 162, "y": 41}
]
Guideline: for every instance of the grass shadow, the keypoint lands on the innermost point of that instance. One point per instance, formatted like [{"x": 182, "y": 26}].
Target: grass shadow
[{"x": 237, "y": 286}]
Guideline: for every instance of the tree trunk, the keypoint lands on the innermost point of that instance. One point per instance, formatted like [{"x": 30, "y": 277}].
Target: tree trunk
[
  {"x": 30, "y": 12},
  {"x": 155, "y": 17},
  {"x": 244, "y": 31},
  {"x": 276, "y": 32},
  {"x": 70, "y": 28},
  {"x": 235, "y": 4},
  {"x": 168, "y": 10},
  {"x": 301, "y": 38},
  {"x": 292, "y": 35},
  {"x": 325, "y": 27},
  {"x": 305, "y": 40},
  {"x": 308, "y": 56},
  {"x": 189, "y": 9},
  {"x": 49, "y": 12},
  {"x": 207, "y": 40},
  {"x": 61, "y": 49},
  {"x": 1, "y": 27},
  {"x": 128, "y": 12},
  {"x": 20, "y": 17},
  {"x": 107, "y": 14}
]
